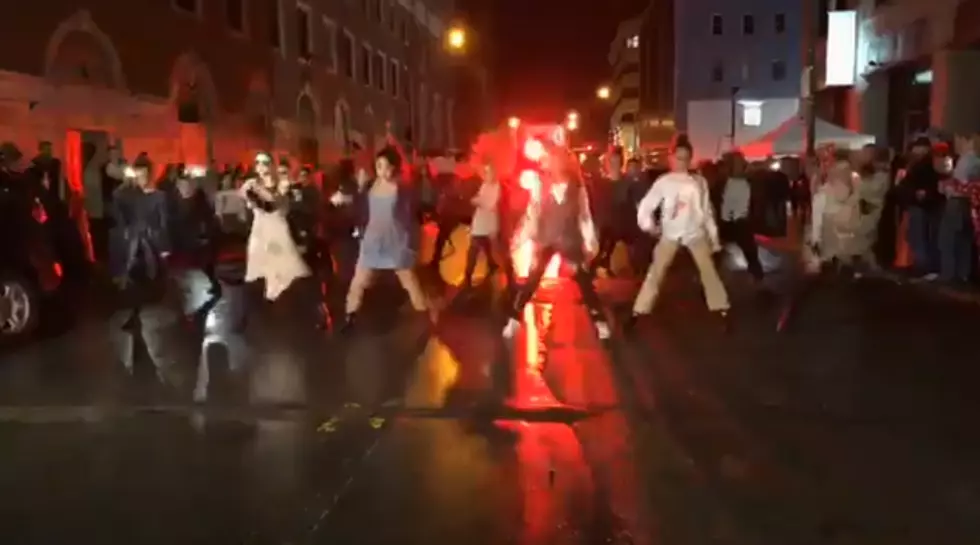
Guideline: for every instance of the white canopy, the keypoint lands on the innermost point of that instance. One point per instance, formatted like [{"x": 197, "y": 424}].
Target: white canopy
[{"x": 790, "y": 138}]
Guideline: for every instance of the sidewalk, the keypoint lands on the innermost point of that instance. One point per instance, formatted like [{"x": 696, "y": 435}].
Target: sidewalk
[{"x": 792, "y": 245}]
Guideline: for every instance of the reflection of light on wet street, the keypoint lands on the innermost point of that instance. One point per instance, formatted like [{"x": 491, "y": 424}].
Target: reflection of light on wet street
[
  {"x": 437, "y": 372},
  {"x": 530, "y": 389},
  {"x": 555, "y": 483},
  {"x": 279, "y": 378}
]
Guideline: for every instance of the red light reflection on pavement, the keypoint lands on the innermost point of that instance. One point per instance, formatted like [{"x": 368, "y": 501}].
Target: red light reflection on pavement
[
  {"x": 530, "y": 389},
  {"x": 555, "y": 483},
  {"x": 580, "y": 478}
]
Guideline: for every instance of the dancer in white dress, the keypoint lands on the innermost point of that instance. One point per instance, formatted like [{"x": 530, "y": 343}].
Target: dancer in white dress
[{"x": 272, "y": 253}]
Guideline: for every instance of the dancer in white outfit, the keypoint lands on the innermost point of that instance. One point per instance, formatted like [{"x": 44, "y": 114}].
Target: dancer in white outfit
[
  {"x": 687, "y": 219},
  {"x": 272, "y": 253}
]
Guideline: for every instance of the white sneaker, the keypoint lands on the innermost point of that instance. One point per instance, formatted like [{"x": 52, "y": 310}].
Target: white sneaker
[
  {"x": 930, "y": 277},
  {"x": 602, "y": 330},
  {"x": 511, "y": 328}
]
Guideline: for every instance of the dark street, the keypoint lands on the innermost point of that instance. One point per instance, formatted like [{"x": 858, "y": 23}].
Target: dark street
[{"x": 853, "y": 426}]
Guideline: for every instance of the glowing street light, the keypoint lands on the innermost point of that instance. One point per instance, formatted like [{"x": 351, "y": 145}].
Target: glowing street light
[
  {"x": 603, "y": 93},
  {"x": 571, "y": 121},
  {"x": 513, "y": 123},
  {"x": 456, "y": 38}
]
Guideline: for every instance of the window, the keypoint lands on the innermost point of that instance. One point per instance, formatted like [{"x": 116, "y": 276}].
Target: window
[
  {"x": 751, "y": 113},
  {"x": 188, "y": 6},
  {"x": 235, "y": 15},
  {"x": 394, "y": 77},
  {"x": 748, "y": 25},
  {"x": 778, "y": 70},
  {"x": 347, "y": 55},
  {"x": 366, "y": 55},
  {"x": 331, "y": 38},
  {"x": 403, "y": 28},
  {"x": 381, "y": 71},
  {"x": 718, "y": 72},
  {"x": 633, "y": 42},
  {"x": 779, "y": 23},
  {"x": 393, "y": 18},
  {"x": 382, "y": 10},
  {"x": 304, "y": 34},
  {"x": 275, "y": 29},
  {"x": 745, "y": 71},
  {"x": 406, "y": 81},
  {"x": 717, "y": 25}
]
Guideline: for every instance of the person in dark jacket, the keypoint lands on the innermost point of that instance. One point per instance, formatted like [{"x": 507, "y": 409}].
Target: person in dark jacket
[
  {"x": 625, "y": 191},
  {"x": 194, "y": 231},
  {"x": 141, "y": 212},
  {"x": 920, "y": 189},
  {"x": 46, "y": 175}
]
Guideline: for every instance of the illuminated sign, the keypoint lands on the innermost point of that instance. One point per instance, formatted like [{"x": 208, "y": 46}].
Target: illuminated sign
[
  {"x": 841, "y": 48},
  {"x": 751, "y": 113}
]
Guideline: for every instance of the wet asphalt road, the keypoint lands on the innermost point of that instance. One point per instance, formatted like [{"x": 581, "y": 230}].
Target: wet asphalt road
[{"x": 854, "y": 426}]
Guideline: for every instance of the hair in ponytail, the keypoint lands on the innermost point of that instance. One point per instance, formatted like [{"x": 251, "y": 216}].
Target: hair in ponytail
[{"x": 681, "y": 141}]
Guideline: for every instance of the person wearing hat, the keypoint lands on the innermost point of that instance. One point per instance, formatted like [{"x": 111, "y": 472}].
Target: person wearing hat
[{"x": 956, "y": 233}]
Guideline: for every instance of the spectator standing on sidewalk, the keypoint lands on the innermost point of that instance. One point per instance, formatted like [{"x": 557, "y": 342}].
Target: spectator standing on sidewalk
[
  {"x": 875, "y": 182},
  {"x": 920, "y": 189},
  {"x": 956, "y": 245}
]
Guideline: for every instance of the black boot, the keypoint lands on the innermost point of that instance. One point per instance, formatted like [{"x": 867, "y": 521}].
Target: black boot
[
  {"x": 349, "y": 323},
  {"x": 629, "y": 325},
  {"x": 725, "y": 320}
]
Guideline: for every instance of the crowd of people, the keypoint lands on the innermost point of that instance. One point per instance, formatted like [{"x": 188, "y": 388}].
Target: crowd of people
[
  {"x": 918, "y": 212},
  {"x": 863, "y": 211}
]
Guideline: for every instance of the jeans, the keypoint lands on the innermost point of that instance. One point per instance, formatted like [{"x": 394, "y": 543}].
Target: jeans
[
  {"x": 922, "y": 236},
  {"x": 956, "y": 241}
]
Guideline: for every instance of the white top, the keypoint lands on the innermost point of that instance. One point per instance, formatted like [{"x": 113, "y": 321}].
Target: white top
[
  {"x": 485, "y": 219},
  {"x": 685, "y": 204},
  {"x": 736, "y": 199},
  {"x": 229, "y": 202}
]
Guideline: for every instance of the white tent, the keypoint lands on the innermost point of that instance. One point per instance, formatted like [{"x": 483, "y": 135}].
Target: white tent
[{"x": 790, "y": 138}]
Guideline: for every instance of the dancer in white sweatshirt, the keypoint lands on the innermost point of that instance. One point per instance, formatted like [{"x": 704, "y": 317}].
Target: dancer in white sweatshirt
[{"x": 687, "y": 219}]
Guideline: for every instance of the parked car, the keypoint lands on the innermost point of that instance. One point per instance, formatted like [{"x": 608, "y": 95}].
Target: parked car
[{"x": 30, "y": 273}]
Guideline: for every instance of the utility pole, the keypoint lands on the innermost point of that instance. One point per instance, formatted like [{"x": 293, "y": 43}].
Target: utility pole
[{"x": 812, "y": 17}]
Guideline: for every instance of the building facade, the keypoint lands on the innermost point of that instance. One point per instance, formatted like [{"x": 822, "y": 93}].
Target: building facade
[
  {"x": 739, "y": 67},
  {"x": 656, "y": 122},
  {"x": 624, "y": 91},
  {"x": 916, "y": 67},
  {"x": 198, "y": 81}
]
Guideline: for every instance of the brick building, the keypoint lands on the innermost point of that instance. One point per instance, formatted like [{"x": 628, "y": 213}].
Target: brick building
[{"x": 213, "y": 80}]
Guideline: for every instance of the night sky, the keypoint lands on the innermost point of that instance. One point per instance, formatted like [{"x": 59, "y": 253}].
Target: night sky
[{"x": 551, "y": 55}]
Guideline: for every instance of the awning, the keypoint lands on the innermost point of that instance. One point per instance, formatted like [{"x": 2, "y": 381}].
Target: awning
[{"x": 790, "y": 138}]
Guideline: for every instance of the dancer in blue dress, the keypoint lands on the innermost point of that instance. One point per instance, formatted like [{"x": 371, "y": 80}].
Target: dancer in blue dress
[{"x": 390, "y": 234}]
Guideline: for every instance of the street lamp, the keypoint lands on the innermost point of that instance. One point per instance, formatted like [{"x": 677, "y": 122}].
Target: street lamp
[
  {"x": 571, "y": 120},
  {"x": 456, "y": 39},
  {"x": 513, "y": 123},
  {"x": 603, "y": 93}
]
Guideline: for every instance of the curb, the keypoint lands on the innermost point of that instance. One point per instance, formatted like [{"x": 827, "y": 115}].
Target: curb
[{"x": 953, "y": 294}]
